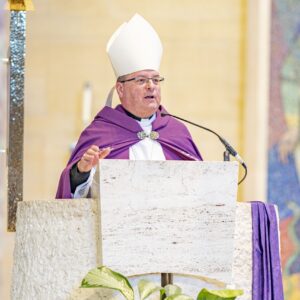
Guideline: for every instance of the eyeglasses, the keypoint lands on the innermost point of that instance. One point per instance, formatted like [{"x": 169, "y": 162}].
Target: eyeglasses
[{"x": 141, "y": 80}]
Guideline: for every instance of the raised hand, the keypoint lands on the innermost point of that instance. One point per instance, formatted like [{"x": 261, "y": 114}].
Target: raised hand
[{"x": 91, "y": 157}]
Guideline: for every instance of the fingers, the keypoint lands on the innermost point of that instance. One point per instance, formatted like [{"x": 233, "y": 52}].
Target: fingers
[
  {"x": 104, "y": 152},
  {"x": 91, "y": 157},
  {"x": 94, "y": 148},
  {"x": 92, "y": 151}
]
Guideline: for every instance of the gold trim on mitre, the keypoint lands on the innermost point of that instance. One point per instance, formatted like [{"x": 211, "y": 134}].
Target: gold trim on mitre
[{"x": 20, "y": 5}]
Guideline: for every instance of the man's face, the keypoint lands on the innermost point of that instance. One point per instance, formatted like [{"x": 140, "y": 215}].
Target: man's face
[{"x": 141, "y": 100}]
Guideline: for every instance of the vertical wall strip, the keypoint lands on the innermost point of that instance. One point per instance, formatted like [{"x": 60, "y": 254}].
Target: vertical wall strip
[{"x": 16, "y": 114}]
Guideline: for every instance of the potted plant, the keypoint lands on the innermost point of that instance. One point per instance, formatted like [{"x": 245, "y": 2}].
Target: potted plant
[{"x": 103, "y": 277}]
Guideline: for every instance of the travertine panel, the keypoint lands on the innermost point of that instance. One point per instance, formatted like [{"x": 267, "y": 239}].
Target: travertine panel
[
  {"x": 179, "y": 216},
  {"x": 56, "y": 245},
  {"x": 242, "y": 262}
]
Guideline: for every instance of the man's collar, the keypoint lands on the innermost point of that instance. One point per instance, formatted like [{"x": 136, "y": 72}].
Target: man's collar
[
  {"x": 128, "y": 113},
  {"x": 118, "y": 116}
]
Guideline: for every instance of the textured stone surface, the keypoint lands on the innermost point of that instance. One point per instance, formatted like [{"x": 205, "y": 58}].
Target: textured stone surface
[
  {"x": 242, "y": 262},
  {"x": 179, "y": 217},
  {"x": 55, "y": 247},
  {"x": 57, "y": 241}
]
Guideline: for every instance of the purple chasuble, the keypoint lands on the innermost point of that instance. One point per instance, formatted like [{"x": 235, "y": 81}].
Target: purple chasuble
[
  {"x": 266, "y": 269},
  {"x": 114, "y": 128}
]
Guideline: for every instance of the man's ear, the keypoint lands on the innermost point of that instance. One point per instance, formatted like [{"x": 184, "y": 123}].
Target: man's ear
[{"x": 120, "y": 89}]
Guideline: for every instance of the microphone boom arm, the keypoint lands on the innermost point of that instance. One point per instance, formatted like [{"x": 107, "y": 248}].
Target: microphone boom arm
[{"x": 227, "y": 146}]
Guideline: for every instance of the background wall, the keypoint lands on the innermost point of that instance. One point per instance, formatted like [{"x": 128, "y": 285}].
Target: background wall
[
  {"x": 203, "y": 63},
  {"x": 283, "y": 142},
  {"x": 215, "y": 65}
]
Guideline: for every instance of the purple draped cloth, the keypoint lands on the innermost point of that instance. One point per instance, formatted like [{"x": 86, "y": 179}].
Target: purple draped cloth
[
  {"x": 114, "y": 128},
  {"x": 266, "y": 270}
]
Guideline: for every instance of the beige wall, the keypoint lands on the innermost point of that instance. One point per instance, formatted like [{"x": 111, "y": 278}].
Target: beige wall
[
  {"x": 215, "y": 64},
  {"x": 255, "y": 130},
  {"x": 204, "y": 66}
]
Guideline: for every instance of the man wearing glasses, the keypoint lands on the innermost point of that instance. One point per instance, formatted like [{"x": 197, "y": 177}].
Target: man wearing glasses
[{"x": 135, "y": 129}]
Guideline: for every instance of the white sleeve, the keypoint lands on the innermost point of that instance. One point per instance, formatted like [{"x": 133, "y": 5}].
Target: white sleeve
[{"x": 82, "y": 190}]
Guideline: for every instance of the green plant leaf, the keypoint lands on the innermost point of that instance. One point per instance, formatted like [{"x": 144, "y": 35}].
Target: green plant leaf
[
  {"x": 219, "y": 294},
  {"x": 172, "y": 289},
  {"x": 146, "y": 288},
  {"x": 106, "y": 278},
  {"x": 179, "y": 297}
]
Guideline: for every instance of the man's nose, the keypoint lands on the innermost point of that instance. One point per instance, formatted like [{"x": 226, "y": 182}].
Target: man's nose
[{"x": 149, "y": 83}]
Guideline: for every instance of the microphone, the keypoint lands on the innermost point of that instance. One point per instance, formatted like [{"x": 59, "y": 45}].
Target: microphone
[{"x": 227, "y": 146}]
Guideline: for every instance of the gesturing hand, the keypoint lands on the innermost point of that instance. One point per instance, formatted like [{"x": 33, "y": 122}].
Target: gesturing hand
[{"x": 91, "y": 157}]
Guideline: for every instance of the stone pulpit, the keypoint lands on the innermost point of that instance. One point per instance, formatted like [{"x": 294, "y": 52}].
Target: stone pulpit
[
  {"x": 168, "y": 217},
  {"x": 147, "y": 217}
]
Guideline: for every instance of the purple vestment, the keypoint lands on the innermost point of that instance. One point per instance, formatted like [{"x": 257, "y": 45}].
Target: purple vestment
[
  {"x": 266, "y": 269},
  {"x": 114, "y": 128}
]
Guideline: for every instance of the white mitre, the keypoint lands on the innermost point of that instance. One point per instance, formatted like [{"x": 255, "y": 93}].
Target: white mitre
[{"x": 134, "y": 46}]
